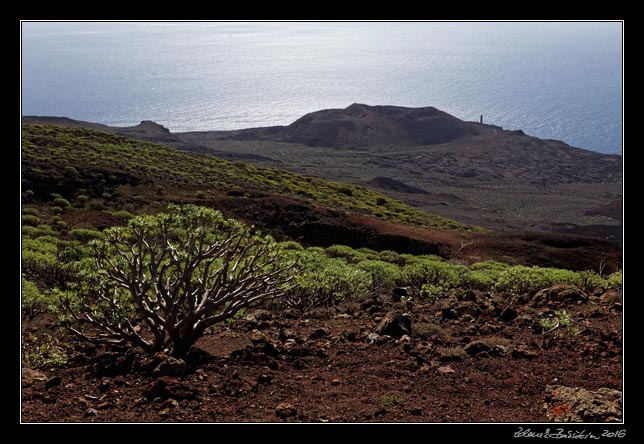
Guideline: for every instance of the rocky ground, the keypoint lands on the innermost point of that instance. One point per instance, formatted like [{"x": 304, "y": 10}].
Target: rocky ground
[{"x": 470, "y": 357}]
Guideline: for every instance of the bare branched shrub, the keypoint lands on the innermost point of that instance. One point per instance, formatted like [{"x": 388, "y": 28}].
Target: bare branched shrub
[{"x": 160, "y": 282}]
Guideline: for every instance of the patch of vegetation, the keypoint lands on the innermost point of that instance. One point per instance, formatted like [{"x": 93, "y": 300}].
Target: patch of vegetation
[
  {"x": 177, "y": 273},
  {"x": 104, "y": 162},
  {"x": 391, "y": 400},
  {"x": 323, "y": 281},
  {"x": 42, "y": 354},
  {"x": 553, "y": 326},
  {"x": 383, "y": 274}
]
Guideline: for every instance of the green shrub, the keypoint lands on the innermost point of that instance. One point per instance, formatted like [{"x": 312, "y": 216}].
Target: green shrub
[
  {"x": 60, "y": 225},
  {"x": 81, "y": 200},
  {"x": 483, "y": 275},
  {"x": 323, "y": 281},
  {"x": 392, "y": 257},
  {"x": 526, "y": 280},
  {"x": 57, "y": 210},
  {"x": 61, "y": 202},
  {"x": 106, "y": 196},
  {"x": 31, "y": 211},
  {"x": 189, "y": 265},
  {"x": 44, "y": 355},
  {"x": 33, "y": 301},
  {"x": 589, "y": 281},
  {"x": 56, "y": 196},
  {"x": 71, "y": 171},
  {"x": 200, "y": 194},
  {"x": 292, "y": 246},
  {"x": 428, "y": 272},
  {"x": 615, "y": 280},
  {"x": 383, "y": 274},
  {"x": 30, "y": 220},
  {"x": 84, "y": 234},
  {"x": 347, "y": 253},
  {"x": 28, "y": 231},
  {"x": 123, "y": 214},
  {"x": 46, "y": 230},
  {"x": 368, "y": 254}
]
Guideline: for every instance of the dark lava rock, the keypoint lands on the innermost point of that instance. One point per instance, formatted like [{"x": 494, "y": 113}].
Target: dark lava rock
[
  {"x": 523, "y": 352},
  {"x": 170, "y": 367},
  {"x": 54, "y": 381},
  {"x": 575, "y": 404},
  {"x": 319, "y": 333},
  {"x": 476, "y": 348},
  {"x": 394, "y": 324},
  {"x": 166, "y": 387},
  {"x": 558, "y": 294},
  {"x": 285, "y": 410}
]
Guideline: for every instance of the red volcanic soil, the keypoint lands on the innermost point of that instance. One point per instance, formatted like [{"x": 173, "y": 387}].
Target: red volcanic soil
[{"x": 466, "y": 360}]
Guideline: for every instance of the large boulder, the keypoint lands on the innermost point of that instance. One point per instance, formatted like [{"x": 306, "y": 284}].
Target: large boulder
[
  {"x": 558, "y": 295},
  {"x": 575, "y": 404},
  {"x": 394, "y": 324}
]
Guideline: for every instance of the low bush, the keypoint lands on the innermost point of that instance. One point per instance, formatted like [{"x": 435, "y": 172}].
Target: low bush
[
  {"x": 384, "y": 275},
  {"x": 322, "y": 281},
  {"x": 615, "y": 280},
  {"x": 31, "y": 211},
  {"x": 84, "y": 234},
  {"x": 30, "y": 220},
  {"x": 62, "y": 202}
]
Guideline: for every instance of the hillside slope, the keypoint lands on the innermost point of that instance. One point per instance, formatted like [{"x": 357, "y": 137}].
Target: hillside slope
[
  {"x": 484, "y": 175},
  {"x": 103, "y": 175}
]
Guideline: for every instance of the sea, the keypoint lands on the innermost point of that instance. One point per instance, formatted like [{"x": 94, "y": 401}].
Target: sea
[{"x": 554, "y": 80}]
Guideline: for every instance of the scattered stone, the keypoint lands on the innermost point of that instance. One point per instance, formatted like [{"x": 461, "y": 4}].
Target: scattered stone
[
  {"x": 611, "y": 296},
  {"x": 166, "y": 387},
  {"x": 416, "y": 412},
  {"x": 285, "y": 410},
  {"x": 499, "y": 350},
  {"x": 91, "y": 412},
  {"x": 319, "y": 333},
  {"x": 342, "y": 316},
  {"x": 148, "y": 364},
  {"x": 558, "y": 294},
  {"x": 449, "y": 313},
  {"x": 451, "y": 355},
  {"x": 477, "y": 348},
  {"x": 394, "y": 324},
  {"x": 336, "y": 381},
  {"x": 54, "y": 381},
  {"x": 523, "y": 352},
  {"x": 372, "y": 337},
  {"x": 257, "y": 337},
  {"x": 509, "y": 314},
  {"x": 139, "y": 401},
  {"x": 105, "y": 385},
  {"x": 285, "y": 334},
  {"x": 445, "y": 370},
  {"x": 172, "y": 403},
  {"x": 403, "y": 339},
  {"x": 575, "y": 404},
  {"x": 425, "y": 369},
  {"x": 265, "y": 379},
  {"x": 31, "y": 376},
  {"x": 172, "y": 367}
]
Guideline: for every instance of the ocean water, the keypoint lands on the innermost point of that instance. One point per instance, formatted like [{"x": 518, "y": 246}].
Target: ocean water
[{"x": 552, "y": 80}]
